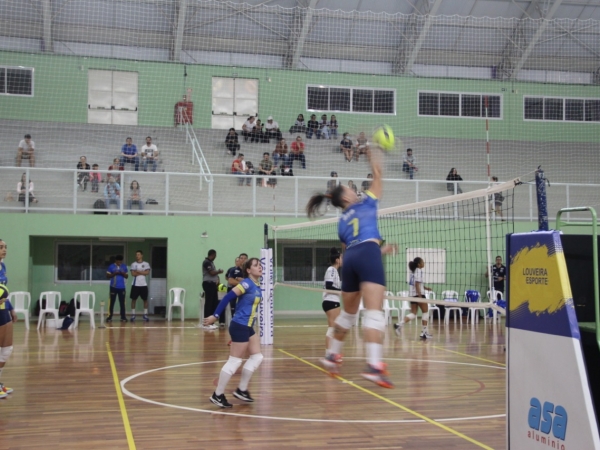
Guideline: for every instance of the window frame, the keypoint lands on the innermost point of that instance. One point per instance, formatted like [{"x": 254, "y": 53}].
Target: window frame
[
  {"x": 351, "y": 89},
  {"x": 314, "y": 276},
  {"x": 460, "y": 104},
  {"x": 90, "y": 244},
  {"x": 6, "y": 68},
  {"x": 564, "y": 100}
]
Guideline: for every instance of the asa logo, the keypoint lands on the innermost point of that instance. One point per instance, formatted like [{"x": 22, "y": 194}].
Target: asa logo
[{"x": 547, "y": 418}]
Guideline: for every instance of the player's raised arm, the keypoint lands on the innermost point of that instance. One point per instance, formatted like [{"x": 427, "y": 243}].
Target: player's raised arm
[{"x": 375, "y": 160}]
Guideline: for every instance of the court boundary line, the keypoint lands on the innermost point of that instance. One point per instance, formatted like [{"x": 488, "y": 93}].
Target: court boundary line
[
  {"x": 470, "y": 356},
  {"x": 393, "y": 403},
  {"x": 115, "y": 375}
]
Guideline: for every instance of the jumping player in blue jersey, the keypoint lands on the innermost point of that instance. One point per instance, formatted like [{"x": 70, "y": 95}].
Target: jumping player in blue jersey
[
  {"x": 362, "y": 272},
  {"x": 7, "y": 318},
  {"x": 242, "y": 334}
]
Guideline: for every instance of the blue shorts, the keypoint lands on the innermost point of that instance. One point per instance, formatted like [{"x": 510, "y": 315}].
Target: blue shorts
[
  {"x": 362, "y": 262},
  {"x": 239, "y": 332}
]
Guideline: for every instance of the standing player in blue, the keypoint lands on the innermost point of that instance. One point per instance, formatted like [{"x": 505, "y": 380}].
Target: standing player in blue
[
  {"x": 242, "y": 334},
  {"x": 7, "y": 317},
  {"x": 117, "y": 273},
  {"x": 362, "y": 273}
]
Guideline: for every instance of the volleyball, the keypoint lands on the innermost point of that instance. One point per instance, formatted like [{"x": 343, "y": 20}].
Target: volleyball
[{"x": 384, "y": 137}]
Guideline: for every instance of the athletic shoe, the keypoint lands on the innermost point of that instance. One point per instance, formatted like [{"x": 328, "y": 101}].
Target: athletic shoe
[
  {"x": 108, "y": 319},
  {"x": 5, "y": 389},
  {"x": 243, "y": 395},
  {"x": 123, "y": 319},
  {"x": 332, "y": 363},
  {"x": 146, "y": 318},
  {"x": 132, "y": 319},
  {"x": 425, "y": 335},
  {"x": 220, "y": 401},
  {"x": 3, "y": 394},
  {"x": 210, "y": 327},
  {"x": 398, "y": 327},
  {"x": 378, "y": 375}
]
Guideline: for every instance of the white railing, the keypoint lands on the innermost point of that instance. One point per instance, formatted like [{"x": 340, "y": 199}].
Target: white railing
[{"x": 168, "y": 193}]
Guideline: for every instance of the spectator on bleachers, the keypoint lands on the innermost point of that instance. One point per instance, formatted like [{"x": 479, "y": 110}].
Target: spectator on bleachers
[
  {"x": 248, "y": 129},
  {"x": 112, "y": 192},
  {"x": 266, "y": 168},
  {"x": 129, "y": 154},
  {"x": 366, "y": 185},
  {"x": 352, "y": 186},
  {"x": 95, "y": 177},
  {"x": 149, "y": 155},
  {"x": 232, "y": 142},
  {"x": 409, "y": 163},
  {"x": 272, "y": 129},
  {"x": 238, "y": 167},
  {"x": 333, "y": 183},
  {"x": 84, "y": 176},
  {"x": 281, "y": 152},
  {"x": 453, "y": 176},
  {"x": 23, "y": 188},
  {"x": 116, "y": 165},
  {"x": 135, "y": 196},
  {"x": 297, "y": 152},
  {"x": 323, "y": 127},
  {"x": 313, "y": 127},
  {"x": 286, "y": 170},
  {"x": 346, "y": 146},
  {"x": 333, "y": 127},
  {"x": 299, "y": 126},
  {"x": 361, "y": 147},
  {"x": 259, "y": 134},
  {"x": 26, "y": 150}
]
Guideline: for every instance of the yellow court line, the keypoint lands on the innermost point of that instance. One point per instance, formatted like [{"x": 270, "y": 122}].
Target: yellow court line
[
  {"x": 470, "y": 356},
  {"x": 393, "y": 403},
  {"x": 113, "y": 367}
]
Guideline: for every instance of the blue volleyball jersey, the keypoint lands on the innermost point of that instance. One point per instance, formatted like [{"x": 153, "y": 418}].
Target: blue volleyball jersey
[
  {"x": 358, "y": 223},
  {"x": 247, "y": 303},
  {"x": 3, "y": 277}
]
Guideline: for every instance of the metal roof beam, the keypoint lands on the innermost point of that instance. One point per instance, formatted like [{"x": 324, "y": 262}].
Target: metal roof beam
[
  {"x": 300, "y": 35},
  {"x": 178, "y": 41},
  {"x": 432, "y": 11}
]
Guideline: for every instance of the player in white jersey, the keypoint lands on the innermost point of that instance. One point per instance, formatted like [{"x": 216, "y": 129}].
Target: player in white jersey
[
  {"x": 139, "y": 288},
  {"x": 331, "y": 302},
  {"x": 417, "y": 289}
]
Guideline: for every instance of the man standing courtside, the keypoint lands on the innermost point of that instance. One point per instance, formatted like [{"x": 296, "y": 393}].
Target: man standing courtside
[
  {"x": 117, "y": 273},
  {"x": 498, "y": 271},
  {"x": 139, "y": 288},
  {"x": 210, "y": 281}
]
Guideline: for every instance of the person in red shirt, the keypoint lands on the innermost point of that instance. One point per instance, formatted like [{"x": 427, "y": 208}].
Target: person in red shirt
[
  {"x": 239, "y": 168},
  {"x": 298, "y": 152},
  {"x": 116, "y": 165}
]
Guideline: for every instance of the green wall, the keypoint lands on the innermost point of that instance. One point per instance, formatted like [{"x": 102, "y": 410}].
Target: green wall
[{"x": 61, "y": 96}]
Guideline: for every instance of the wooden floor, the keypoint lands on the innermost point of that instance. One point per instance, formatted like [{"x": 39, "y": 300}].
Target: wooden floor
[{"x": 450, "y": 391}]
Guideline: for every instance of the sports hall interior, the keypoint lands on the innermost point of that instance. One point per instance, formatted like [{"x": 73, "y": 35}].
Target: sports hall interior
[{"x": 147, "y": 386}]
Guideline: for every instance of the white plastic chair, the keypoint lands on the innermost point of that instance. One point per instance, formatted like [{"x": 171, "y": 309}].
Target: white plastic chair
[
  {"x": 176, "y": 300},
  {"x": 84, "y": 304},
  {"x": 493, "y": 297},
  {"x": 473, "y": 311},
  {"x": 449, "y": 296},
  {"x": 389, "y": 308},
  {"x": 21, "y": 302},
  {"x": 52, "y": 300},
  {"x": 404, "y": 304},
  {"x": 430, "y": 295}
]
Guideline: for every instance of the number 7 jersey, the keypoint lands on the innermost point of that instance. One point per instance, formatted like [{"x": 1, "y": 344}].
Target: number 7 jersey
[{"x": 358, "y": 223}]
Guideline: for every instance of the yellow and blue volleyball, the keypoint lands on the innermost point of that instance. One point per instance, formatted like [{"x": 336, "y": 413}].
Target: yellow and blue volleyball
[{"x": 384, "y": 137}]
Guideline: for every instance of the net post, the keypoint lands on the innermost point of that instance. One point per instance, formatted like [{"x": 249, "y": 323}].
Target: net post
[
  {"x": 265, "y": 307},
  {"x": 540, "y": 185}
]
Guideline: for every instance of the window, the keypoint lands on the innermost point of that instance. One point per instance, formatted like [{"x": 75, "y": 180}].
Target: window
[
  {"x": 352, "y": 100},
  {"x": 16, "y": 81},
  {"x": 455, "y": 104},
  {"x": 79, "y": 262},
  {"x": 561, "y": 109},
  {"x": 306, "y": 263}
]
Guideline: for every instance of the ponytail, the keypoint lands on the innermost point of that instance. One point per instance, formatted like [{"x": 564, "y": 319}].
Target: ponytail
[
  {"x": 335, "y": 195},
  {"x": 412, "y": 265}
]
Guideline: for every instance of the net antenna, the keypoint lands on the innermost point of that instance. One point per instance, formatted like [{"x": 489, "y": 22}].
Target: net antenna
[{"x": 456, "y": 236}]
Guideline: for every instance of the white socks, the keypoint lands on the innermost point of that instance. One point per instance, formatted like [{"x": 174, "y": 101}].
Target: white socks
[{"x": 374, "y": 353}]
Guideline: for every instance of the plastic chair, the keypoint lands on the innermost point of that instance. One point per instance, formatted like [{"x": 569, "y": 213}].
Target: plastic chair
[
  {"x": 493, "y": 296},
  {"x": 49, "y": 301},
  {"x": 474, "y": 296},
  {"x": 21, "y": 301},
  {"x": 176, "y": 300},
  {"x": 404, "y": 304},
  {"x": 84, "y": 304},
  {"x": 430, "y": 295},
  {"x": 451, "y": 296},
  {"x": 389, "y": 308}
]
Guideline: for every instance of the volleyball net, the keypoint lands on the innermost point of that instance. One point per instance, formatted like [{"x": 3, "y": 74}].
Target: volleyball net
[{"x": 458, "y": 237}]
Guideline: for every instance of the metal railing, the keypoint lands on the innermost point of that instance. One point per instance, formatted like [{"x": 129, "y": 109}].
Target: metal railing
[{"x": 167, "y": 193}]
